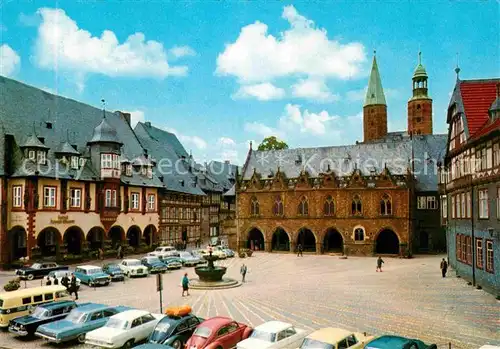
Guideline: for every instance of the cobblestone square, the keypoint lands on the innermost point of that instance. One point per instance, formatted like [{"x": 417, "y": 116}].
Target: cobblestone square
[{"x": 408, "y": 298}]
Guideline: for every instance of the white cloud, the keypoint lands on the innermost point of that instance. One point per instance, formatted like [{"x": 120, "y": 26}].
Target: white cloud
[
  {"x": 9, "y": 60},
  {"x": 136, "y": 116},
  {"x": 262, "y": 130},
  {"x": 263, "y": 92},
  {"x": 62, "y": 45},
  {"x": 305, "y": 121},
  {"x": 225, "y": 141},
  {"x": 181, "y": 51},
  {"x": 195, "y": 141},
  {"x": 32, "y": 20},
  {"x": 303, "y": 49},
  {"x": 313, "y": 89}
]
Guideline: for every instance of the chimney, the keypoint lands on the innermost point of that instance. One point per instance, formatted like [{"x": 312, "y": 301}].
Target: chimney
[
  {"x": 227, "y": 162},
  {"x": 148, "y": 124},
  {"x": 125, "y": 116}
]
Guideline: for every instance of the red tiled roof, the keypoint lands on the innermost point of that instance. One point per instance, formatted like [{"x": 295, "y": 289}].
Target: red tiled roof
[
  {"x": 487, "y": 128},
  {"x": 477, "y": 97}
]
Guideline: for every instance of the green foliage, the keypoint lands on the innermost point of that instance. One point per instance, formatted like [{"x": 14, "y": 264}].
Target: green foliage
[
  {"x": 272, "y": 143},
  {"x": 12, "y": 285}
]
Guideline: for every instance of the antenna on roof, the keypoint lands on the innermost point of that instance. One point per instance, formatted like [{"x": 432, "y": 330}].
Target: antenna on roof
[
  {"x": 103, "y": 101},
  {"x": 457, "y": 69},
  {"x": 34, "y": 128}
]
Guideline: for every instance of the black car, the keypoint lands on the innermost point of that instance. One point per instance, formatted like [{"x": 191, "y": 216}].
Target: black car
[
  {"x": 42, "y": 314},
  {"x": 39, "y": 270},
  {"x": 174, "y": 331},
  {"x": 114, "y": 271}
]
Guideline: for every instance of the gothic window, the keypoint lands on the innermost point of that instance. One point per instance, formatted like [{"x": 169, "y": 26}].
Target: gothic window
[
  {"x": 254, "y": 207},
  {"x": 385, "y": 205},
  {"x": 329, "y": 206},
  {"x": 303, "y": 209},
  {"x": 356, "y": 207},
  {"x": 359, "y": 234},
  {"x": 278, "y": 206}
]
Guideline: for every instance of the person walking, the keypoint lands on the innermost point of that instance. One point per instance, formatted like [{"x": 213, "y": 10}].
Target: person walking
[
  {"x": 243, "y": 272},
  {"x": 444, "y": 267},
  {"x": 299, "y": 251},
  {"x": 119, "y": 252},
  {"x": 49, "y": 282},
  {"x": 73, "y": 287},
  {"x": 379, "y": 264},
  {"x": 65, "y": 282},
  {"x": 101, "y": 253},
  {"x": 185, "y": 285}
]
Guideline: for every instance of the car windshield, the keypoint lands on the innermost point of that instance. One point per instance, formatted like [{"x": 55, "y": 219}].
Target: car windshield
[
  {"x": 202, "y": 332},
  {"x": 159, "y": 249},
  {"x": 94, "y": 271},
  {"x": 309, "y": 343},
  {"x": 76, "y": 317},
  {"x": 185, "y": 255},
  {"x": 134, "y": 263},
  {"x": 58, "y": 274},
  {"x": 113, "y": 267},
  {"x": 117, "y": 323},
  {"x": 36, "y": 266},
  {"x": 263, "y": 335},
  {"x": 153, "y": 260},
  {"x": 162, "y": 327},
  {"x": 40, "y": 312}
]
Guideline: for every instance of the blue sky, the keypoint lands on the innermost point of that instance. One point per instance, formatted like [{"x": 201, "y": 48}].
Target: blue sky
[{"x": 222, "y": 73}]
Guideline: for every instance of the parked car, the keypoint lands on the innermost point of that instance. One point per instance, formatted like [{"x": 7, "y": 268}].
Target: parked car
[
  {"x": 82, "y": 319},
  {"x": 229, "y": 253},
  {"x": 396, "y": 342},
  {"x": 27, "y": 325},
  {"x": 154, "y": 264},
  {"x": 335, "y": 338},
  {"x": 92, "y": 275},
  {"x": 164, "y": 251},
  {"x": 219, "y": 252},
  {"x": 198, "y": 254},
  {"x": 133, "y": 267},
  {"x": 174, "y": 330},
  {"x": 172, "y": 263},
  {"x": 125, "y": 329},
  {"x": 273, "y": 334},
  {"x": 218, "y": 332},
  {"x": 114, "y": 271},
  {"x": 59, "y": 274},
  {"x": 39, "y": 270},
  {"x": 153, "y": 346},
  {"x": 188, "y": 260}
]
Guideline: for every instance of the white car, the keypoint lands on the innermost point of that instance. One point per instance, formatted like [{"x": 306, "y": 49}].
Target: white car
[
  {"x": 273, "y": 334},
  {"x": 164, "y": 251},
  {"x": 59, "y": 274},
  {"x": 133, "y": 267},
  {"x": 219, "y": 252},
  {"x": 125, "y": 329}
]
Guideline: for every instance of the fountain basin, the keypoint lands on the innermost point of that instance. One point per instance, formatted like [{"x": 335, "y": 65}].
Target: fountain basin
[{"x": 207, "y": 274}]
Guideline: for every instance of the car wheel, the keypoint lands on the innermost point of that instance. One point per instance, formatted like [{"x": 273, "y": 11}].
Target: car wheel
[
  {"x": 176, "y": 344},
  {"x": 30, "y": 277},
  {"x": 129, "y": 344},
  {"x": 91, "y": 284},
  {"x": 81, "y": 338}
]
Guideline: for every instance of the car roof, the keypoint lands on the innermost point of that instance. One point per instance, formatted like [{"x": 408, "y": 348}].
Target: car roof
[
  {"x": 329, "y": 335},
  {"x": 31, "y": 291},
  {"x": 217, "y": 321},
  {"x": 92, "y": 307},
  {"x": 56, "y": 304},
  {"x": 131, "y": 260},
  {"x": 130, "y": 314},
  {"x": 273, "y": 326},
  {"x": 387, "y": 342},
  {"x": 88, "y": 267}
]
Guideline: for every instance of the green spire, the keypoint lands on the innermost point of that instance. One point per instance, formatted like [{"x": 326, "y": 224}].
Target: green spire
[
  {"x": 375, "y": 92},
  {"x": 419, "y": 70}
]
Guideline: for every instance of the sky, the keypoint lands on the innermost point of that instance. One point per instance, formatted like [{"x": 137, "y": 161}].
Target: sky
[{"x": 220, "y": 74}]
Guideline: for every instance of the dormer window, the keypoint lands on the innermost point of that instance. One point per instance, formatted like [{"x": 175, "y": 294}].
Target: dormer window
[
  {"x": 128, "y": 170},
  {"x": 32, "y": 155},
  {"x": 74, "y": 162},
  {"x": 150, "y": 172},
  {"x": 41, "y": 157},
  {"x": 144, "y": 170},
  {"x": 109, "y": 161}
]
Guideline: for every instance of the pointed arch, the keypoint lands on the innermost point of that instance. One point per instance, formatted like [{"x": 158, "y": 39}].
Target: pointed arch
[
  {"x": 254, "y": 206},
  {"x": 333, "y": 241},
  {"x": 356, "y": 205},
  {"x": 255, "y": 239},
  {"x": 387, "y": 242},
  {"x": 329, "y": 206},
  {"x": 386, "y": 205},
  {"x": 307, "y": 239},
  {"x": 303, "y": 208},
  {"x": 278, "y": 208},
  {"x": 280, "y": 240}
]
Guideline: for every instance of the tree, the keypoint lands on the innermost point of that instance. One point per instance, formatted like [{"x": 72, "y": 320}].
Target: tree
[{"x": 272, "y": 143}]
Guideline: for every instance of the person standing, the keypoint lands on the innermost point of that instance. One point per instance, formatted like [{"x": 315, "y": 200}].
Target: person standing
[
  {"x": 56, "y": 282},
  {"x": 299, "y": 251},
  {"x": 243, "y": 272},
  {"x": 185, "y": 285},
  {"x": 444, "y": 267},
  {"x": 119, "y": 252},
  {"x": 65, "y": 282},
  {"x": 73, "y": 287},
  {"x": 379, "y": 264},
  {"x": 49, "y": 282}
]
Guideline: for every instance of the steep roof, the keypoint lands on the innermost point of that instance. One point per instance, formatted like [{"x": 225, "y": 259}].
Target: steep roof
[
  {"x": 223, "y": 172},
  {"x": 369, "y": 158},
  {"x": 167, "y": 138},
  {"x": 375, "y": 92},
  {"x": 104, "y": 133}
]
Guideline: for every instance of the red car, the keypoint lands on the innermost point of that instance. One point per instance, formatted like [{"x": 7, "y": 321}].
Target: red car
[{"x": 218, "y": 333}]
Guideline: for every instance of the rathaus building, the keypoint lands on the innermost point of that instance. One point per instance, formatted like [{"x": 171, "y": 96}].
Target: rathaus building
[{"x": 378, "y": 196}]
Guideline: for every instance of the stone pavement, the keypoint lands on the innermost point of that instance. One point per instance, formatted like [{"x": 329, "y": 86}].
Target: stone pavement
[{"x": 409, "y": 298}]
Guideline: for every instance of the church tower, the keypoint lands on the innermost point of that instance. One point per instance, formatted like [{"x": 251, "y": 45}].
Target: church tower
[
  {"x": 420, "y": 105},
  {"x": 374, "y": 108}
]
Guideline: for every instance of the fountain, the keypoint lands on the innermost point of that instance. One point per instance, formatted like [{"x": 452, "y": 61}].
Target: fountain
[{"x": 211, "y": 276}]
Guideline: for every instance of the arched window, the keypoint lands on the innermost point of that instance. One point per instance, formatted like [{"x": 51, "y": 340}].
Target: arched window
[
  {"x": 303, "y": 208},
  {"x": 254, "y": 206},
  {"x": 278, "y": 206},
  {"x": 356, "y": 207},
  {"x": 385, "y": 205},
  {"x": 329, "y": 206},
  {"x": 359, "y": 234}
]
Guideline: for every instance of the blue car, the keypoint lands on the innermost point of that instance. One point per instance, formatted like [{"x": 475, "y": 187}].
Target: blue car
[
  {"x": 153, "y": 346},
  {"x": 114, "y": 271},
  {"x": 172, "y": 262},
  {"x": 154, "y": 264},
  {"x": 92, "y": 275},
  {"x": 228, "y": 252},
  {"x": 85, "y": 318},
  {"x": 396, "y": 342}
]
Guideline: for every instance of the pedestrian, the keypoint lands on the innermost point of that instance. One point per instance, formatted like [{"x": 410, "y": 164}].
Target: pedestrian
[
  {"x": 73, "y": 287},
  {"x": 379, "y": 264},
  {"x": 185, "y": 285},
  {"x": 56, "y": 282},
  {"x": 49, "y": 282},
  {"x": 444, "y": 267},
  {"x": 299, "y": 251},
  {"x": 101, "y": 253},
  {"x": 65, "y": 282},
  {"x": 243, "y": 272},
  {"x": 119, "y": 252}
]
